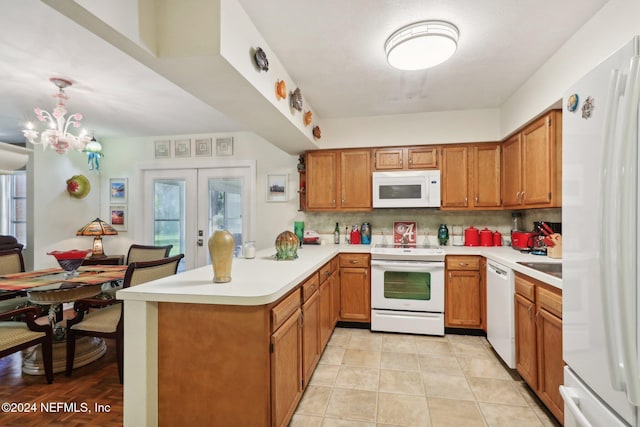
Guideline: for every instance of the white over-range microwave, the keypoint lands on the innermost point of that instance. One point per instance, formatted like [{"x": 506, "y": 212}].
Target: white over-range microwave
[{"x": 406, "y": 189}]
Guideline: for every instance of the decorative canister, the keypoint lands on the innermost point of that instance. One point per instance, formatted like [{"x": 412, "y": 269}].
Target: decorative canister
[
  {"x": 443, "y": 234},
  {"x": 286, "y": 246},
  {"x": 486, "y": 237},
  {"x": 365, "y": 233},
  {"x": 221, "y": 245}
]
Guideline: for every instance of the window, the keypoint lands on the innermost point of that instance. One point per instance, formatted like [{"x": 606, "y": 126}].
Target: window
[{"x": 13, "y": 206}]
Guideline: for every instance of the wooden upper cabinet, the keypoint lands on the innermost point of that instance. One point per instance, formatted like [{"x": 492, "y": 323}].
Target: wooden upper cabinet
[
  {"x": 355, "y": 180},
  {"x": 485, "y": 160},
  {"x": 423, "y": 158},
  {"x": 403, "y": 158},
  {"x": 532, "y": 164},
  {"x": 471, "y": 176},
  {"x": 338, "y": 180},
  {"x": 322, "y": 187},
  {"x": 455, "y": 177}
]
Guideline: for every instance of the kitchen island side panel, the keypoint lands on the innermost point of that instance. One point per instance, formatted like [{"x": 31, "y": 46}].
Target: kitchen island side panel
[{"x": 213, "y": 365}]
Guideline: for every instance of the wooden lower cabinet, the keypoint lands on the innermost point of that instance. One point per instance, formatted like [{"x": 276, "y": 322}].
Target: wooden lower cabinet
[
  {"x": 355, "y": 288},
  {"x": 538, "y": 327},
  {"x": 310, "y": 335},
  {"x": 326, "y": 326},
  {"x": 286, "y": 369},
  {"x": 465, "y": 301}
]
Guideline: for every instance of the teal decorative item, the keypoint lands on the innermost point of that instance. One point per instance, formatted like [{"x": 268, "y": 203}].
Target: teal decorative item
[
  {"x": 286, "y": 246},
  {"x": 443, "y": 234},
  {"x": 365, "y": 233}
]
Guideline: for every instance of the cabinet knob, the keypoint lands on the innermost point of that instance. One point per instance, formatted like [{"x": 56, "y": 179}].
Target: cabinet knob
[
  {"x": 463, "y": 264},
  {"x": 353, "y": 261}
]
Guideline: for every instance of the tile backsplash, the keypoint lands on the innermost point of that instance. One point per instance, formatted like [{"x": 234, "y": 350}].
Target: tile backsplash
[{"x": 428, "y": 220}]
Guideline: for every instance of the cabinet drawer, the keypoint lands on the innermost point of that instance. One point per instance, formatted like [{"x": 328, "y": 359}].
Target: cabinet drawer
[
  {"x": 325, "y": 272},
  {"x": 354, "y": 260},
  {"x": 285, "y": 308},
  {"x": 549, "y": 300},
  {"x": 310, "y": 286},
  {"x": 525, "y": 288},
  {"x": 463, "y": 262}
]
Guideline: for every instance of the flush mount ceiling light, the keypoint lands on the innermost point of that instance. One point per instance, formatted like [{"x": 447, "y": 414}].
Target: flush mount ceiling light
[
  {"x": 58, "y": 136},
  {"x": 421, "y": 45}
]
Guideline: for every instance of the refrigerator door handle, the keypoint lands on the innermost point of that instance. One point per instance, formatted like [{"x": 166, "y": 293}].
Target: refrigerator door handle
[
  {"x": 627, "y": 297},
  {"x": 571, "y": 402},
  {"x": 608, "y": 231}
]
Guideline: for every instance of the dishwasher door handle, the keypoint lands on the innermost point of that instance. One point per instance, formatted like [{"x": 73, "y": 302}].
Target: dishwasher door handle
[{"x": 497, "y": 271}]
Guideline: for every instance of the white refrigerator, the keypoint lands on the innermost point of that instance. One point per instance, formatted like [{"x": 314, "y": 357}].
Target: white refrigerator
[{"x": 600, "y": 244}]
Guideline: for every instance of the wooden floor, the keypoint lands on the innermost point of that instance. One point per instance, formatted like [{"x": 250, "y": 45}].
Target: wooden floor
[{"x": 88, "y": 386}]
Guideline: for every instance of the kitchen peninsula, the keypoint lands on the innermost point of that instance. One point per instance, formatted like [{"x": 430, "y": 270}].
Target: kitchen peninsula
[{"x": 202, "y": 351}]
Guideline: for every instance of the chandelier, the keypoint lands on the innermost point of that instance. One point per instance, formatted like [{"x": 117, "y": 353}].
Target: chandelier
[{"x": 58, "y": 136}]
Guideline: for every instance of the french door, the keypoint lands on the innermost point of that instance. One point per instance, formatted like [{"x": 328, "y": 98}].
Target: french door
[{"x": 183, "y": 207}]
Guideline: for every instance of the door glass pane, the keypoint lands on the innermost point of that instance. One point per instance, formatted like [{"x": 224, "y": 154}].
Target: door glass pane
[
  {"x": 407, "y": 285},
  {"x": 225, "y": 207},
  {"x": 168, "y": 215}
]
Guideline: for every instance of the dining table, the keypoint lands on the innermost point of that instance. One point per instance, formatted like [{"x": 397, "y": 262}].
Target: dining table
[{"x": 50, "y": 287}]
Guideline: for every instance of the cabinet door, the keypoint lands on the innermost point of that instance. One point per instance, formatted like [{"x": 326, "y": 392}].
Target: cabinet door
[
  {"x": 325, "y": 312},
  {"x": 335, "y": 298},
  {"x": 455, "y": 173},
  {"x": 322, "y": 187},
  {"x": 486, "y": 176},
  {"x": 536, "y": 162},
  {"x": 423, "y": 158},
  {"x": 511, "y": 171},
  {"x": 550, "y": 363},
  {"x": 355, "y": 295},
  {"x": 310, "y": 335},
  {"x": 526, "y": 353},
  {"x": 463, "y": 299},
  {"x": 355, "y": 179},
  {"x": 389, "y": 159},
  {"x": 286, "y": 369}
]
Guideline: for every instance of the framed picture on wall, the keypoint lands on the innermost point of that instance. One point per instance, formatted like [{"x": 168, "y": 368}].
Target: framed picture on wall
[
  {"x": 224, "y": 146},
  {"x": 203, "y": 147},
  {"x": 163, "y": 149},
  {"x": 182, "y": 148},
  {"x": 119, "y": 218},
  {"x": 118, "y": 190},
  {"x": 277, "y": 187}
]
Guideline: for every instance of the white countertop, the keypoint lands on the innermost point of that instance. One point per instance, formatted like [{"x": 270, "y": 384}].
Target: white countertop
[{"x": 263, "y": 280}]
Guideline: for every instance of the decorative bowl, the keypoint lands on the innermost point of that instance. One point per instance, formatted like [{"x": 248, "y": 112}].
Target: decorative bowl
[{"x": 70, "y": 260}]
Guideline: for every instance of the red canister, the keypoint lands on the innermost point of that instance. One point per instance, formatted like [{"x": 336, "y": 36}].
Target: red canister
[
  {"x": 486, "y": 237},
  {"x": 471, "y": 237},
  {"x": 497, "y": 238}
]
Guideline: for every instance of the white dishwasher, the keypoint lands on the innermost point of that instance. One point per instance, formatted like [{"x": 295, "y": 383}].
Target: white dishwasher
[{"x": 500, "y": 308}]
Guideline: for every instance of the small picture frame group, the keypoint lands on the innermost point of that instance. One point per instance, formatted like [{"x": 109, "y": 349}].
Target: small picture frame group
[
  {"x": 118, "y": 194},
  {"x": 277, "y": 187}
]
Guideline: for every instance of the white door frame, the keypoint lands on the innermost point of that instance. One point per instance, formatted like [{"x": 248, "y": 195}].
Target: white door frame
[{"x": 138, "y": 221}]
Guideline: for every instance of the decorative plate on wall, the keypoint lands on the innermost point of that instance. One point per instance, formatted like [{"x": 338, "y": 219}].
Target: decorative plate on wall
[
  {"x": 281, "y": 90},
  {"x": 295, "y": 99},
  {"x": 306, "y": 119},
  {"x": 316, "y": 132},
  {"x": 261, "y": 59}
]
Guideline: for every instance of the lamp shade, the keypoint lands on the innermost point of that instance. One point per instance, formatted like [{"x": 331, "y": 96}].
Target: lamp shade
[
  {"x": 421, "y": 45},
  {"x": 97, "y": 228}
]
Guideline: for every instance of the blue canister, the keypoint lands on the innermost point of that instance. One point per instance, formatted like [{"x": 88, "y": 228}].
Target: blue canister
[{"x": 365, "y": 233}]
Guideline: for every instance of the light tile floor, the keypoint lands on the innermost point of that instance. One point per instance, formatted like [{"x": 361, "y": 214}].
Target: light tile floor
[{"x": 377, "y": 379}]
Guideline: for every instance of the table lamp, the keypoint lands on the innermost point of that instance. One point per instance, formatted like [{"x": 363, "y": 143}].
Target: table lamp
[{"x": 97, "y": 228}]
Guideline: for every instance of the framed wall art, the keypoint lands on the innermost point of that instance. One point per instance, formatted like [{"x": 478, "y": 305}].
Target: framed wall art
[
  {"x": 118, "y": 190},
  {"x": 119, "y": 218},
  {"x": 224, "y": 146},
  {"x": 277, "y": 187},
  {"x": 163, "y": 149},
  {"x": 182, "y": 147},
  {"x": 203, "y": 147}
]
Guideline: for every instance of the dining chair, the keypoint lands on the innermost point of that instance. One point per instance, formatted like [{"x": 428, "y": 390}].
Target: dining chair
[
  {"x": 108, "y": 322},
  {"x": 147, "y": 253},
  {"x": 11, "y": 261},
  {"x": 19, "y": 330}
]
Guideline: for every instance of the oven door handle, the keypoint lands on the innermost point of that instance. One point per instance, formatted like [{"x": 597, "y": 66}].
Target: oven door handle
[{"x": 407, "y": 266}]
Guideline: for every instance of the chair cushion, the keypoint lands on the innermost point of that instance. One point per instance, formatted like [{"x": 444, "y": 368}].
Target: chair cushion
[
  {"x": 16, "y": 333},
  {"x": 103, "y": 320}
]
